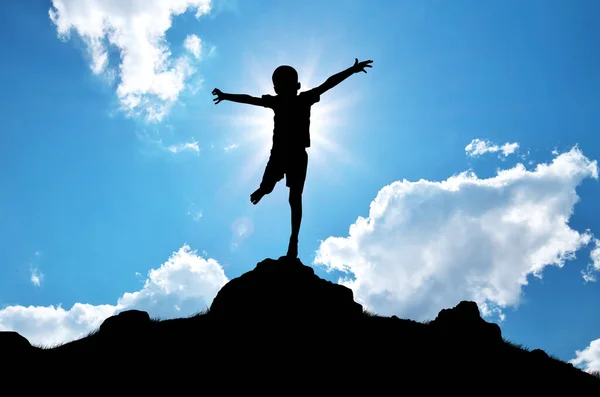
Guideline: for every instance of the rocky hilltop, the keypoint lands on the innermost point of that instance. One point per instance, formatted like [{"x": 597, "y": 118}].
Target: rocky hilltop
[{"x": 280, "y": 328}]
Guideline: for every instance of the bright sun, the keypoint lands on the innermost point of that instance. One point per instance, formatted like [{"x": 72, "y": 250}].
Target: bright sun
[{"x": 256, "y": 125}]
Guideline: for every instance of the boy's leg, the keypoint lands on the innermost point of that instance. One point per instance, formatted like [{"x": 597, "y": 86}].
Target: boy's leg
[
  {"x": 296, "y": 210},
  {"x": 295, "y": 178},
  {"x": 273, "y": 174}
]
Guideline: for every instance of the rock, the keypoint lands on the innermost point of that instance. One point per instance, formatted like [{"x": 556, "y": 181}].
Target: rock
[
  {"x": 284, "y": 289},
  {"x": 464, "y": 322},
  {"x": 539, "y": 354},
  {"x": 127, "y": 322},
  {"x": 13, "y": 343}
]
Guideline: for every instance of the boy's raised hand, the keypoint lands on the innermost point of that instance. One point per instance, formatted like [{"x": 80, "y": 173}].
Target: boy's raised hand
[
  {"x": 360, "y": 66},
  {"x": 219, "y": 95}
]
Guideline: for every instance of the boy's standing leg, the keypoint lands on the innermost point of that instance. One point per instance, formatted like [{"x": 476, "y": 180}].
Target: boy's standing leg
[
  {"x": 296, "y": 210},
  {"x": 295, "y": 178}
]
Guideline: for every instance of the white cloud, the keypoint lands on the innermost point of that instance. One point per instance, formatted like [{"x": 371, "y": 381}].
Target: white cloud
[
  {"x": 427, "y": 245},
  {"x": 150, "y": 79},
  {"x": 477, "y": 147},
  {"x": 153, "y": 139},
  {"x": 230, "y": 147},
  {"x": 183, "y": 285},
  {"x": 589, "y": 274},
  {"x": 588, "y": 359},
  {"x": 195, "y": 214},
  {"x": 193, "y": 146},
  {"x": 35, "y": 276},
  {"x": 193, "y": 44}
]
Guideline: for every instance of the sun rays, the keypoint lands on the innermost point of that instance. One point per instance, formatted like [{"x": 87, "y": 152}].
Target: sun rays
[{"x": 252, "y": 127}]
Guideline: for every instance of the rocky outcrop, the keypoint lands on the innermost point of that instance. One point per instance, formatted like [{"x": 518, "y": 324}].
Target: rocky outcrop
[
  {"x": 125, "y": 323},
  {"x": 13, "y": 343},
  {"x": 464, "y": 323},
  {"x": 284, "y": 289}
]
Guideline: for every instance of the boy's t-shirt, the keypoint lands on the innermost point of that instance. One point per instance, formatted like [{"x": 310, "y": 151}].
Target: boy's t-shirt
[{"x": 292, "y": 119}]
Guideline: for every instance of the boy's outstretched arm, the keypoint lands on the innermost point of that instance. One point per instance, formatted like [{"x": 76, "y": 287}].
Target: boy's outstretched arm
[
  {"x": 343, "y": 75},
  {"x": 239, "y": 98}
]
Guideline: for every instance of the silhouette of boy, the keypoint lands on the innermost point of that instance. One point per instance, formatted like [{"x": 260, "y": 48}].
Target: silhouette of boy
[{"x": 291, "y": 135}]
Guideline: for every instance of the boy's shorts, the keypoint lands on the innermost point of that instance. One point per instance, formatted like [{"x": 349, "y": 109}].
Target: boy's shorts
[{"x": 292, "y": 164}]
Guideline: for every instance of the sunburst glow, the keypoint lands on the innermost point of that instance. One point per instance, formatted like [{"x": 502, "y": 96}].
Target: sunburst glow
[{"x": 255, "y": 125}]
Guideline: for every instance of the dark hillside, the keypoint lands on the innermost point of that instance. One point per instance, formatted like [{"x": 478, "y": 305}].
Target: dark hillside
[{"x": 281, "y": 328}]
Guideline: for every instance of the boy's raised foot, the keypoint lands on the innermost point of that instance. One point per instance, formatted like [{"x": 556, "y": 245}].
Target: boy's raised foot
[{"x": 256, "y": 196}]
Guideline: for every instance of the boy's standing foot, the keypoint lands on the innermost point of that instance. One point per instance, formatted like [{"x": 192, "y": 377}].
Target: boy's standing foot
[
  {"x": 256, "y": 196},
  {"x": 292, "y": 248}
]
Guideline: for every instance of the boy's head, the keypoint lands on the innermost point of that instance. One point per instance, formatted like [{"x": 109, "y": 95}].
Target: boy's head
[{"x": 285, "y": 80}]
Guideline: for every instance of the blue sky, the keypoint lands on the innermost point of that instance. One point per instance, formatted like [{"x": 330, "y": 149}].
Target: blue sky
[{"x": 462, "y": 166}]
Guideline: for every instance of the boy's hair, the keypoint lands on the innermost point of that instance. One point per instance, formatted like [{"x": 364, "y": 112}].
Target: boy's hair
[{"x": 285, "y": 76}]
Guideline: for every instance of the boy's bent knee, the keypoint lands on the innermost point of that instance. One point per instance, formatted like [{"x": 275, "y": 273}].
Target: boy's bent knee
[{"x": 267, "y": 185}]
